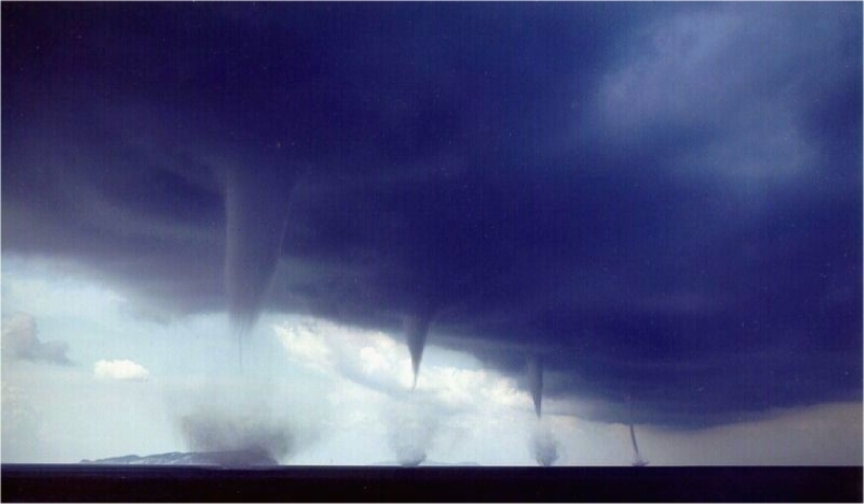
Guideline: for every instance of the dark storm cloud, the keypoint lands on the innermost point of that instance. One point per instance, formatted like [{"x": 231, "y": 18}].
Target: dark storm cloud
[{"x": 661, "y": 200}]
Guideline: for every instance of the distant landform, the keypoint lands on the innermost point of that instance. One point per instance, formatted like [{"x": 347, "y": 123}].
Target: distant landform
[
  {"x": 244, "y": 458},
  {"x": 425, "y": 463}
]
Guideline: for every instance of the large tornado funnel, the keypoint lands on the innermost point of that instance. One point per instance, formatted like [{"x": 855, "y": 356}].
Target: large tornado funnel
[
  {"x": 256, "y": 207},
  {"x": 535, "y": 382}
]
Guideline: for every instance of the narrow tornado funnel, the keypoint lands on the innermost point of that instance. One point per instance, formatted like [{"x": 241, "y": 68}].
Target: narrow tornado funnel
[
  {"x": 638, "y": 461},
  {"x": 416, "y": 329},
  {"x": 535, "y": 382},
  {"x": 256, "y": 207}
]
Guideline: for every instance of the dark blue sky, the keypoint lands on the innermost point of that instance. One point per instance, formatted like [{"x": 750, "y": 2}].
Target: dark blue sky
[{"x": 658, "y": 200}]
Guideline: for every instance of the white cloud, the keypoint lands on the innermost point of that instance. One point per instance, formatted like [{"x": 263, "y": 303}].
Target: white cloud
[
  {"x": 121, "y": 369},
  {"x": 378, "y": 361},
  {"x": 461, "y": 412},
  {"x": 370, "y": 358},
  {"x": 303, "y": 345}
]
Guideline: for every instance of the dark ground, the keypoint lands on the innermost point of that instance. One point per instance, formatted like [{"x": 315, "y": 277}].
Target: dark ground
[{"x": 95, "y": 483}]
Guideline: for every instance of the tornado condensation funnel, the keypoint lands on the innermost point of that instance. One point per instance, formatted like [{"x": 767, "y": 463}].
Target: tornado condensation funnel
[
  {"x": 535, "y": 382},
  {"x": 256, "y": 208},
  {"x": 416, "y": 330}
]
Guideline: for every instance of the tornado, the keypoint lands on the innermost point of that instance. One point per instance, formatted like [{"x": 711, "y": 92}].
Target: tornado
[
  {"x": 256, "y": 207},
  {"x": 535, "y": 382},
  {"x": 638, "y": 461},
  {"x": 416, "y": 330}
]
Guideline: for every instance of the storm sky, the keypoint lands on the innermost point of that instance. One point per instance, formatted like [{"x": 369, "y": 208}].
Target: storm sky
[{"x": 659, "y": 205}]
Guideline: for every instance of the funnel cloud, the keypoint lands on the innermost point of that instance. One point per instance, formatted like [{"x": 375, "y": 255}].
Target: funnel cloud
[
  {"x": 638, "y": 461},
  {"x": 535, "y": 382},
  {"x": 416, "y": 330},
  {"x": 256, "y": 207}
]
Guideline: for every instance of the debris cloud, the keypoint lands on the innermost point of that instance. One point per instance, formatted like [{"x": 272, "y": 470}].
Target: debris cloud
[
  {"x": 412, "y": 431},
  {"x": 242, "y": 434},
  {"x": 240, "y": 420},
  {"x": 545, "y": 447}
]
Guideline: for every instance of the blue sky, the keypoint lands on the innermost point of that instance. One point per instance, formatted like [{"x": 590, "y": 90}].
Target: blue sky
[{"x": 658, "y": 203}]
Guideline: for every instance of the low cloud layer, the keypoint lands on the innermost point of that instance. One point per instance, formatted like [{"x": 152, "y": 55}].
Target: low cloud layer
[
  {"x": 21, "y": 341},
  {"x": 120, "y": 369}
]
